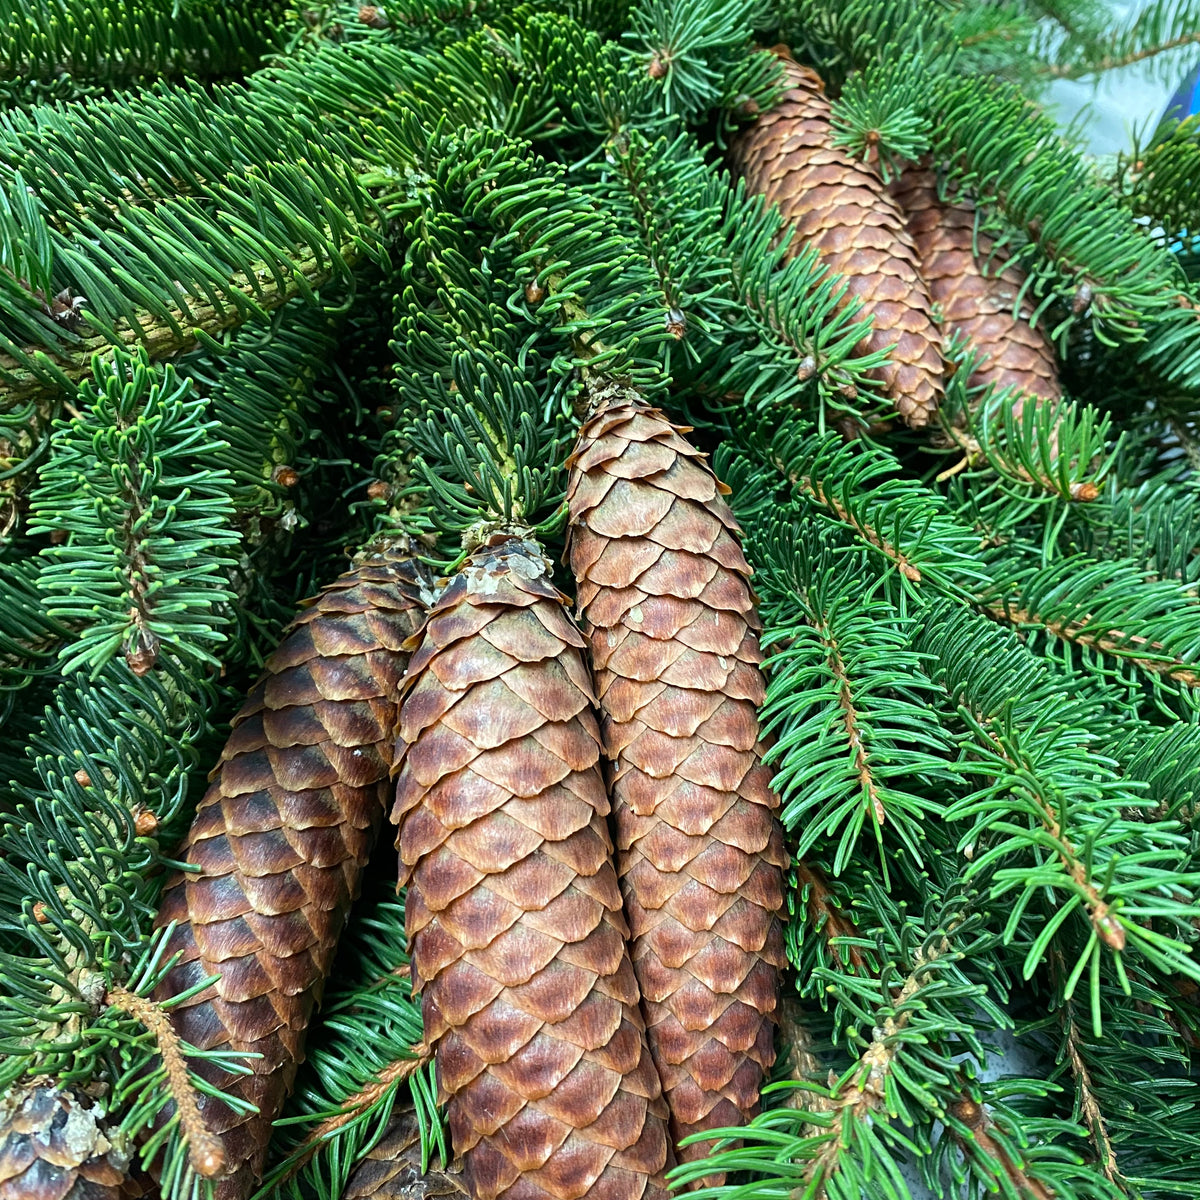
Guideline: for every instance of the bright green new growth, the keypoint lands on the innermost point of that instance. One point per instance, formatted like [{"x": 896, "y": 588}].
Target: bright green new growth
[{"x": 397, "y": 260}]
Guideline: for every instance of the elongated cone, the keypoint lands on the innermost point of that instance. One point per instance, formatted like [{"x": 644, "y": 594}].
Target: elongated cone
[
  {"x": 280, "y": 839},
  {"x": 665, "y": 601},
  {"x": 841, "y": 207},
  {"x": 54, "y": 1146},
  {"x": 980, "y": 306},
  {"x": 391, "y": 1170},
  {"x": 514, "y": 914}
]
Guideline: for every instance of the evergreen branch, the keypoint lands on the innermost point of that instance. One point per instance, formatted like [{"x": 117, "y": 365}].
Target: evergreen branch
[
  {"x": 800, "y": 332},
  {"x": 1056, "y": 810},
  {"x": 846, "y": 703},
  {"x": 1158, "y": 29},
  {"x": 205, "y": 1150},
  {"x": 132, "y": 483},
  {"x": 982, "y": 1136},
  {"x": 118, "y": 43},
  {"x": 863, "y": 489},
  {"x": 1089, "y": 1107}
]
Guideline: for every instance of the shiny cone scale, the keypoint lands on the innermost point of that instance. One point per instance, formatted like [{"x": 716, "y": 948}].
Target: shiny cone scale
[
  {"x": 280, "y": 839},
  {"x": 513, "y": 910},
  {"x": 665, "y": 602},
  {"x": 980, "y": 306},
  {"x": 841, "y": 207}
]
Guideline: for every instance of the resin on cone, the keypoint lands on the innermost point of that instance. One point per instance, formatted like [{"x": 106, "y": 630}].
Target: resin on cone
[
  {"x": 280, "y": 839},
  {"x": 980, "y": 306},
  {"x": 54, "y": 1146},
  {"x": 514, "y": 914},
  {"x": 840, "y": 206},
  {"x": 665, "y": 601}
]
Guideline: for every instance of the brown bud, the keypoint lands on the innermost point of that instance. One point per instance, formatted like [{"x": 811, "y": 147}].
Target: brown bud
[
  {"x": 285, "y": 476},
  {"x": 378, "y": 490},
  {"x": 659, "y": 65},
  {"x": 807, "y": 368},
  {"x": 373, "y": 16},
  {"x": 142, "y": 653},
  {"x": 1108, "y": 928},
  {"x": 144, "y": 822},
  {"x": 39, "y": 913},
  {"x": 1085, "y": 492},
  {"x": 1082, "y": 298},
  {"x": 208, "y": 1158},
  {"x": 534, "y": 293},
  {"x": 968, "y": 1111},
  {"x": 83, "y": 778},
  {"x": 848, "y": 390},
  {"x": 58, "y": 536},
  {"x": 676, "y": 323}
]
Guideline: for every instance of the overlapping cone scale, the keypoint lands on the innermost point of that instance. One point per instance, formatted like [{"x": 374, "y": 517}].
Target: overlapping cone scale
[
  {"x": 665, "y": 602},
  {"x": 979, "y": 305},
  {"x": 840, "y": 206},
  {"x": 280, "y": 839},
  {"x": 514, "y": 913},
  {"x": 54, "y": 1146},
  {"x": 391, "y": 1169}
]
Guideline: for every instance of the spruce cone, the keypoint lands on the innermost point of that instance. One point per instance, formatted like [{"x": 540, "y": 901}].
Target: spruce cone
[
  {"x": 514, "y": 913},
  {"x": 665, "y": 601},
  {"x": 841, "y": 207},
  {"x": 53, "y": 1146},
  {"x": 281, "y": 837},
  {"x": 392, "y": 1169},
  {"x": 980, "y": 306}
]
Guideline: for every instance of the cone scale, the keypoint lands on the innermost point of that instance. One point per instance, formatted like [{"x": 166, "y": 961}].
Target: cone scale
[
  {"x": 841, "y": 207},
  {"x": 980, "y": 306},
  {"x": 280, "y": 839},
  {"x": 665, "y": 602},
  {"x": 513, "y": 909}
]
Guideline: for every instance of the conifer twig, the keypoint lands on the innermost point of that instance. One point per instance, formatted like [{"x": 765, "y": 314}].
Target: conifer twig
[
  {"x": 206, "y": 1152},
  {"x": 816, "y": 491},
  {"x": 356, "y": 1104},
  {"x": 975, "y": 1116},
  {"x": 1112, "y": 643},
  {"x": 163, "y": 337}
]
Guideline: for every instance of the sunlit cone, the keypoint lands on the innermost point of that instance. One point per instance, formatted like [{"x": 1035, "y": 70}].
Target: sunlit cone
[
  {"x": 514, "y": 914},
  {"x": 665, "y": 602},
  {"x": 841, "y": 207},
  {"x": 979, "y": 305},
  {"x": 54, "y": 1146},
  {"x": 280, "y": 839}
]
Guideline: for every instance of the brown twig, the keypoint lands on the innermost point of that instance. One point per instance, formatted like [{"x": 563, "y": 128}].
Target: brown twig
[
  {"x": 1113, "y": 642},
  {"x": 355, "y": 1104},
  {"x": 824, "y": 915},
  {"x": 817, "y": 492},
  {"x": 1069, "y": 71},
  {"x": 975, "y": 1116},
  {"x": 206, "y": 1152}
]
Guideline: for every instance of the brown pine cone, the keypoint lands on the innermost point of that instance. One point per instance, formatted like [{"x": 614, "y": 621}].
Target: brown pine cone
[
  {"x": 841, "y": 207},
  {"x": 514, "y": 914},
  {"x": 280, "y": 839},
  {"x": 392, "y": 1169},
  {"x": 665, "y": 602},
  {"x": 980, "y": 306},
  {"x": 54, "y": 1146}
]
